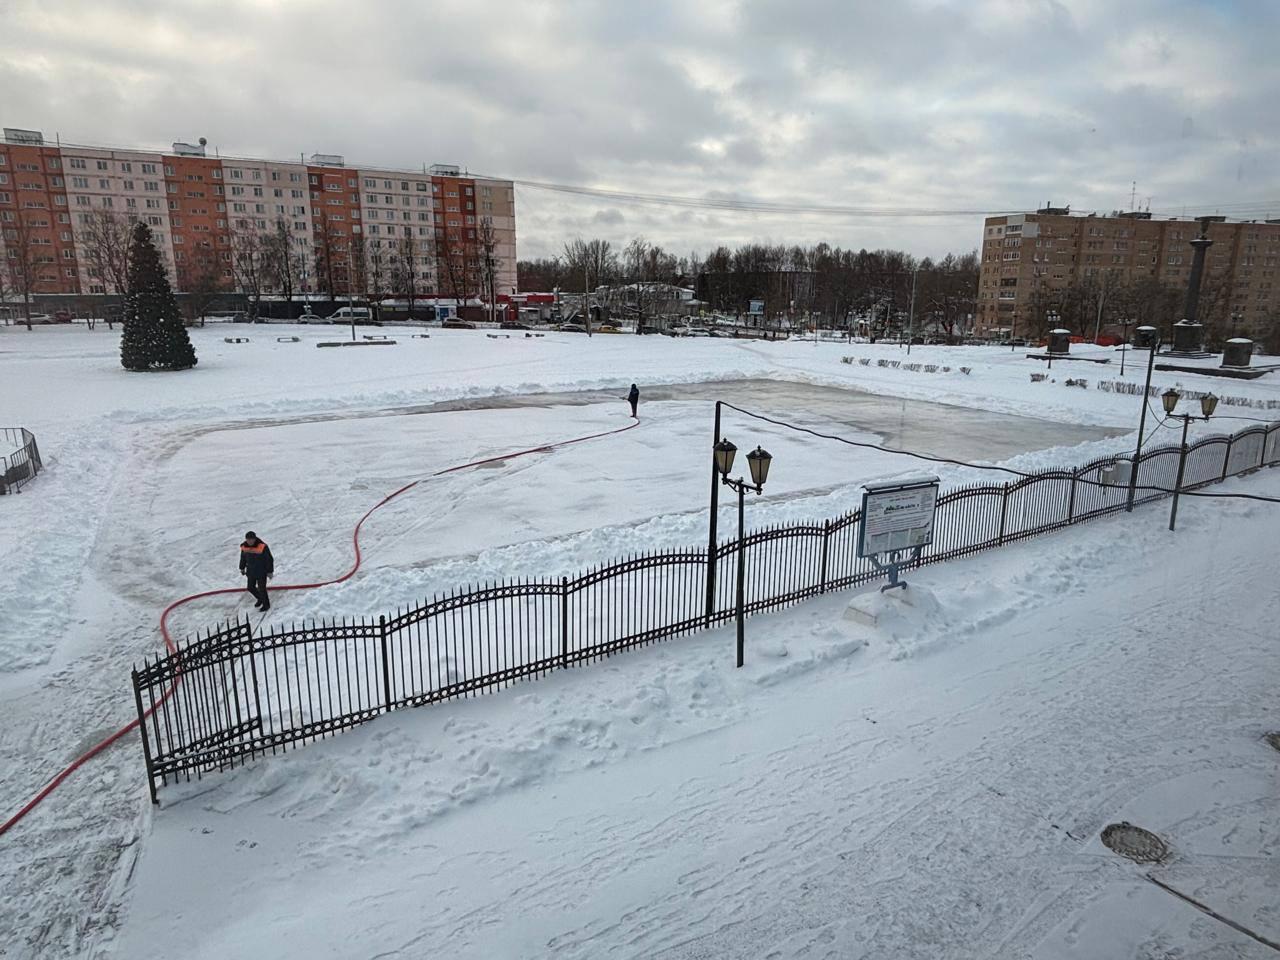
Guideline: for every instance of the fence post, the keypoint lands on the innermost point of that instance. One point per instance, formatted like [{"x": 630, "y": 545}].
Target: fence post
[
  {"x": 386, "y": 662},
  {"x": 564, "y": 621},
  {"x": 1226, "y": 457},
  {"x": 1262, "y": 452},
  {"x": 142, "y": 731},
  {"x": 1071, "y": 503},
  {"x": 1004, "y": 509},
  {"x": 822, "y": 575}
]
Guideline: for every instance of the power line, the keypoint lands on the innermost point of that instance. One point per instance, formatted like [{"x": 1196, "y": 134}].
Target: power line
[{"x": 988, "y": 466}]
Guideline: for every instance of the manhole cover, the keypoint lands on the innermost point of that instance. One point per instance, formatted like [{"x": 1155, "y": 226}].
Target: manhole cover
[
  {"x": 1273, "y": 739},
  {"x": 1138, "y": 845}
]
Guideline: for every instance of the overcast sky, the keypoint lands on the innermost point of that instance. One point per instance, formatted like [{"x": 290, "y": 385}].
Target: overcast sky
[{"x": 966, "y": 105}]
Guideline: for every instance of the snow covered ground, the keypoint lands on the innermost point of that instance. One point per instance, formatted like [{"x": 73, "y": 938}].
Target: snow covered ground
[
  {"x": 931, "y": 787},
  {"x": 152, "y": 479}
]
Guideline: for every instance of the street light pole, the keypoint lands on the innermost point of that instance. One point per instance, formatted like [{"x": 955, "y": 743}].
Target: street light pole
[
  {"x": 911, "y": 313},
  {"x": 1170, "y": 400},
  {"x": 1142, "y": 420},
  {"x": 758, "y": 461},
  {"x": 1013, "y": 330}
]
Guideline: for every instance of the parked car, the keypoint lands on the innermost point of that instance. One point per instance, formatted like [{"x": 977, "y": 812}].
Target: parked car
[
  {"x": 453, "y": 323},
  {"x": 347, "y": 314},
  {"x": 310, "y": 317},
  {"x": 513, "y": 325},
  {"x": 571, "y": 328},
  {"x": 36, "y": 318},
  {"x": 679, "y": 330},
  {"x": 608, "y": 328},
  {"x": 698, "y": 332},
  {"x": 225, "y": 316}
]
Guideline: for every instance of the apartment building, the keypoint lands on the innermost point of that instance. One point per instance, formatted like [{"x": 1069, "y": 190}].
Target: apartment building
[
  {"x": 1027, "y": 259},
  {"x": 351, "y": 229}
]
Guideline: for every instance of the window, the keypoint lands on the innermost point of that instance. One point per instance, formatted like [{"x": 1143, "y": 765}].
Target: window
[
  {"x": 370, "y": 182},
  {"x": 277, "y": 192},
  {"x": 152, "y": 203},
  {"x": 404, "y": 184},
  {"x": 238, "y": 208},
  {"x": 106, "y": 201},
  {"x": 68, "y": 253},
  {"x": 297, "y": 178},
  {"x": 173, "y": 188},
  {"x": 168, "y": 170},
  {"x": 81, "y": 183},
  {"x": 148, "y": 168},
  {"x": 103, "y": 165},
  {"x": 77, "y": 163},
  {"x": 128, "y": 184},
  {"x": 82, "y": 201},
  {"x": 104, "y": 184},
  {"x": 257, "y": 174},
  {"x": 296, "y": 194},
  {"x": 151, "y": 185},
  {"x": 257, "y": 191},
  {"x": 351, "y": 182},
  {"x": 56, "y": 164},
  {"x": 66, "y": 236},
  {"x": 469, "y": 192}
]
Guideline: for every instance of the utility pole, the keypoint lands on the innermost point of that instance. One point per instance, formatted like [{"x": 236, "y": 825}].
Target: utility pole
[
  {"x": 911, "y": 313},
  {"x": 586, "y": 294}
]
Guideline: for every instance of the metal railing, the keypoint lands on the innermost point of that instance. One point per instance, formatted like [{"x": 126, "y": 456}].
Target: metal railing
[
  {"x": 231, "y": 695},
  {"x": 19, "y": 458}
]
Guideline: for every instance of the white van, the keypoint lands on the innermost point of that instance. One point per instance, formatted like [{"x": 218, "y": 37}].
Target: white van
[{"x": 347, "y": 314}]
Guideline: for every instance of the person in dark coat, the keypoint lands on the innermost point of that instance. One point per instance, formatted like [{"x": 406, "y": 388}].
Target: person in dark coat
[
  {"x": 257, "y": 565},
  {"x": 633, "y": 398}
]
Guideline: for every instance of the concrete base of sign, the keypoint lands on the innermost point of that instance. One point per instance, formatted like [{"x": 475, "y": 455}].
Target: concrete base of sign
[{"x": 895, "y": 611}]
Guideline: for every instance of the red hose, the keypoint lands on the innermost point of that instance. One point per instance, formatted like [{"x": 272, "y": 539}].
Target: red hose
[{"x": 355, "y": 566}]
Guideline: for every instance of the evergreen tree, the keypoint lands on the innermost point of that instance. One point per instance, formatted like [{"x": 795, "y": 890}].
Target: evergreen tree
[{"x": 154, "y": 336}]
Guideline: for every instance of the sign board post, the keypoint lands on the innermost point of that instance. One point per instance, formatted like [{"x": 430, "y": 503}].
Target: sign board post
[{"x": 897, "y": 524}]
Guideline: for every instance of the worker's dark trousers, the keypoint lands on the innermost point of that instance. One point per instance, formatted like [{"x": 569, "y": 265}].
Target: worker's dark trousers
[
  {"x": 633, "y": 407},
  {"x": 258, "y": 587}
]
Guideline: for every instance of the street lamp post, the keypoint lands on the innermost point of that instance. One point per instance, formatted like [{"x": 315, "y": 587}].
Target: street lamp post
[
  {"x": 1124, "y": 342},
  {"x": 758, "y": 461},
  {"x": 1170, "y": 400},
  {"x": 1052, "y": 318},
  {"x": 1153, "y": 335}
]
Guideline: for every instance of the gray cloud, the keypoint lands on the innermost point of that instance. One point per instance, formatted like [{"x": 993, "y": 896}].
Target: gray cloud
[{"x": 974, "y": 104}]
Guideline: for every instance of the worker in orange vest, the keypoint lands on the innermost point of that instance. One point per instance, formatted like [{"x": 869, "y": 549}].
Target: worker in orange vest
[{"x": 257, "y": 565}]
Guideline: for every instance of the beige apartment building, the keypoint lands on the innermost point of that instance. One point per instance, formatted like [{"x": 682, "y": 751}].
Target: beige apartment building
[
  {"x": 1030, "y": 259},
  {"x": 448, "y": 233}
]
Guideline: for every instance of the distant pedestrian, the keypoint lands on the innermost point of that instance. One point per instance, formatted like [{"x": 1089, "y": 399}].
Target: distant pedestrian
[
  {"x": 633, "y": 398},
  {"x": 257, "y": 565}
]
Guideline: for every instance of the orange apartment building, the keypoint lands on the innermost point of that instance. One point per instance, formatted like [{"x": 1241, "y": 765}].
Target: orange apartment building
[
  {"x": 1028, "y": 259},
  {"x": 343, "y": 221}
]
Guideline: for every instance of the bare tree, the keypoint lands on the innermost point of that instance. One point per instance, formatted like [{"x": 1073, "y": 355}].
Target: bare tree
[
  {"x": 105, "y": 241},
  {"x": 456, "y": 267},
  {"x": 404, "y": 270},
  {"x": 375, "y": 262},
  {"x": 331, "y": 256},
  {"x": 489, "y": 264},
  {"x": 202, "y": 281},
  {"x": 24, "y": 257},
  {"x": 285, "y": 260},
  {"x": 249, "y": 264}
]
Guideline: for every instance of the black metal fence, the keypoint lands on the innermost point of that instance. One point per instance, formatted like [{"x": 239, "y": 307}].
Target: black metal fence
[
  {"x": 231, "y": 695},
  {"x": 19, "y": 458}
]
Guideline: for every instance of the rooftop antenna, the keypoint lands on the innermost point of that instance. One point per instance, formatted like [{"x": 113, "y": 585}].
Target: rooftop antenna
[{"x": 1133, "y": 196}]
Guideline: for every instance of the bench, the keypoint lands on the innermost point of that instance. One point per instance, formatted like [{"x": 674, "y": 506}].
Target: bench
[{"x": 235, "y": 339}]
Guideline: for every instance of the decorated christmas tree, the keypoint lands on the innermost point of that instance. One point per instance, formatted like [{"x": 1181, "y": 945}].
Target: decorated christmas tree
[{"x": 154, "y": 336}]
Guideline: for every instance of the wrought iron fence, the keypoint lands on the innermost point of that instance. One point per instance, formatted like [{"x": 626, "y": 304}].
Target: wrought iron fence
[
  {"x": 230, "y": 694},
  {"x": 19, "y": 458}
]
